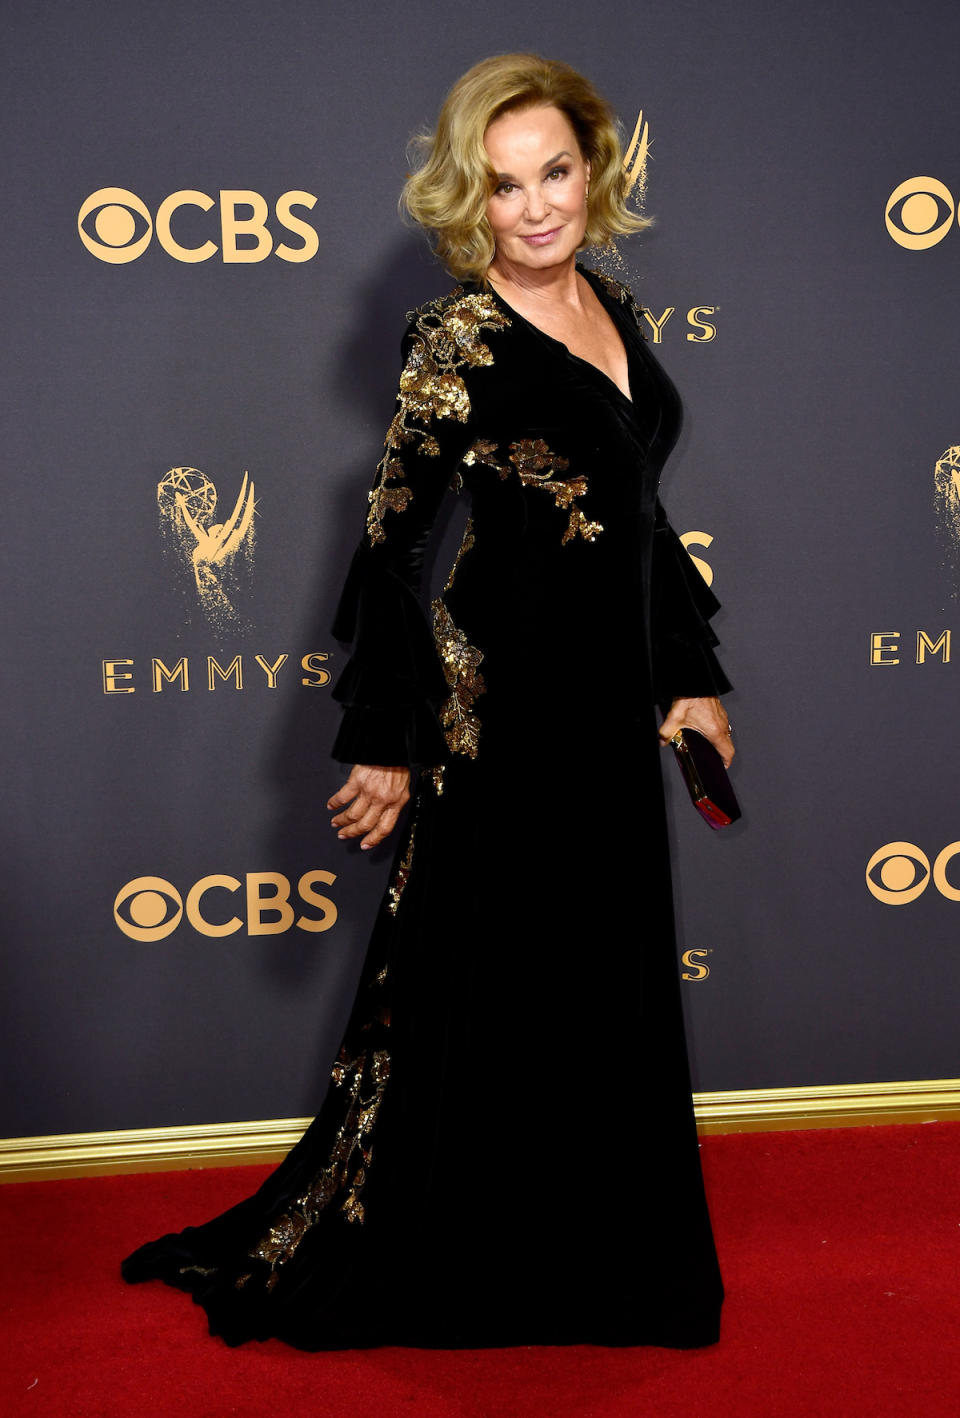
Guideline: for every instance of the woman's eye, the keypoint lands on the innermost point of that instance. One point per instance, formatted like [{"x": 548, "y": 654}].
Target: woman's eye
[
  {"x": 505, "y": 187},
  {"x": 558, "y": 172}
]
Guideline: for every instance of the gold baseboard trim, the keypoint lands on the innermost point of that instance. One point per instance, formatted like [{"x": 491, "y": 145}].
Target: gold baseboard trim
[
  {"x": 837, "y": 1105},
  {"x": 89, "y": 1154}
]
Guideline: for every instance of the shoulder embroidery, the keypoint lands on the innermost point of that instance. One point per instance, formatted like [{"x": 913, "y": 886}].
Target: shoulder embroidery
[
  {"x": 537, "y": 466},
  {"x": 446, "y": 339},
  {"x": 623, "y": 294}
]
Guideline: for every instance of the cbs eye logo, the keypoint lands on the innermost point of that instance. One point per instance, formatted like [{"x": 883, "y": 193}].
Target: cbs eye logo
[
  {"x": 920, "y": 212},
  {"x": 899, "y": 872},
  {"x": 115, "y": 225},
  {"x": 150, "y": 908}
]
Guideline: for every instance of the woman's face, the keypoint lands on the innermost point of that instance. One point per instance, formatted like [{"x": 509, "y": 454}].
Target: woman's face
[{"x": 538, "y": 213}]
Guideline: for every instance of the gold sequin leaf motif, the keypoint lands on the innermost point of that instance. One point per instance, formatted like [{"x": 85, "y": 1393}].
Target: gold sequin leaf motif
[
  {"x": 362, "y": 1076},
  {"x": 623, "y": 294},
  {"x": 461, "y": 662},
  {"x": 447, "y": 339},
  {"x": 466, "y": 543},
  {"x": 537, "y": 466},
  {"x": 403, "y": 871}
]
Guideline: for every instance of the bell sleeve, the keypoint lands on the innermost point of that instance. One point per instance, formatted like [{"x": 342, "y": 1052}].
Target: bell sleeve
[
  {"x": 393, "y": 685},
  {"x": 682, "y": 639}
]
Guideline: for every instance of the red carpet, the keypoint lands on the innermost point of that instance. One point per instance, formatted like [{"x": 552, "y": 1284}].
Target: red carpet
[{"x": 840, "y": 1251}]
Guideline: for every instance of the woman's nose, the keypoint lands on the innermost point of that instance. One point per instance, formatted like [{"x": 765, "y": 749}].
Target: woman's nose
[{"x": 536, "y": 206}]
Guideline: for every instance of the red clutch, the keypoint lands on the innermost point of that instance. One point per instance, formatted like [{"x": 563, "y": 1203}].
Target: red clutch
[{"x": 706, "y": 778}]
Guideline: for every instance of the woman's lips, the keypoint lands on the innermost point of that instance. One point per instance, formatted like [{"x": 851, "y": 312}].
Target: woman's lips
[{"x": 542, "y": 238}]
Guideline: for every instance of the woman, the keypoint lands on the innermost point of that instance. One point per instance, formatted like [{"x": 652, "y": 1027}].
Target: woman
[{"x": 507, "y": 1154}]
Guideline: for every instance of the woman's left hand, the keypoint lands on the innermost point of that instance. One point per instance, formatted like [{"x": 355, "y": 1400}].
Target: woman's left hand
[{"x": 706, "y": 715}]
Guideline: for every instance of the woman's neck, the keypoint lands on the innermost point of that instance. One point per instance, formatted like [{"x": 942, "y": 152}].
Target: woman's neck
[{"x": 552, "y": 288}]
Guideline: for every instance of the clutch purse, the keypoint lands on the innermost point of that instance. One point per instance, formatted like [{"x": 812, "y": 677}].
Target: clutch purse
[{"x": 706, "y": 778}]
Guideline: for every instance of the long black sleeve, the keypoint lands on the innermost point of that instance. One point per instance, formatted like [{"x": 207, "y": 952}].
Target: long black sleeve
[
  {"x": 682, "y": 605},
  {"x": 393, "y": 686}
]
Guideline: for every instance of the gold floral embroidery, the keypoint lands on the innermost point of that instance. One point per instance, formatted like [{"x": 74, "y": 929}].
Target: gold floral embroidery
[
  {"x": 436, "y": 776},
  {"x": 466, "y": 542},
  {"x": 482, "y": 452},
  {"x": 461, "y": 663},
  {"x": 537, "y": 466},
  {"x": 403, "y": 872},
  {"x": 623, "y": 294},
  {"x": 447, "y": 339},
  {"x": 363, "y": 1075},
  {"x": 613, "y": 287}
]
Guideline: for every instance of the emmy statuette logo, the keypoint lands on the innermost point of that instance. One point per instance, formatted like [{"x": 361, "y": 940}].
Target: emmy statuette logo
[
  {"x": 215, "y": 556},
  {"x": 946, "y": 503},
  {"x": 212, "y": 559},
  {"x": 635, "y": 160}
]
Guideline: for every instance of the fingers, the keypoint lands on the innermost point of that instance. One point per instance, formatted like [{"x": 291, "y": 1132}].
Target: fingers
[
  {"x": 370, "y": 802},
  {"x": 671, "y": 723},
  {"x": 373, "y": 821},
  {"x": 724, "y": 746},
  {"x": 708, "y": 716},
  {"x": 717, "y": 729},
  {"x": 363, "y": 818},
  {"x": 348, "y": 820},
  {"x": 381, "y": 829},
  {"x": 681, "y": 715},
  {"x": 346, "y": 793}
]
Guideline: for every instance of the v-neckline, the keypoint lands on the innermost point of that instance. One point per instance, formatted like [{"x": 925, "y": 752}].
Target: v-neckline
[{"x": 579, "y": 359}]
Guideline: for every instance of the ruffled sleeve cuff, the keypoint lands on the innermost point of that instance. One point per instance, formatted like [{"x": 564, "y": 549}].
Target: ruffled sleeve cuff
[
  {"x": 390, "y": 737},
  {"x": 393, "y": 686},
  {"x": 683, "y": 641}
]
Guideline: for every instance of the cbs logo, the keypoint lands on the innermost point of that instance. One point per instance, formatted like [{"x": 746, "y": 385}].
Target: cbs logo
[
  {"x": 115, "y": 225},
  {"x": 899, "y": 872},
  {"x": 920, "y": 212},
  {"x": 150, "y": 908}
]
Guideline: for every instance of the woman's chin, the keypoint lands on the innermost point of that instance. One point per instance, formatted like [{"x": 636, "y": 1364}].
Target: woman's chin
[{"x": 541, "y": 257}]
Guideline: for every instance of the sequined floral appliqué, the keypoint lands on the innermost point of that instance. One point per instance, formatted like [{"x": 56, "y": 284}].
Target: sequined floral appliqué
[
  {"x": 446, "y": 340},
  {"x": 461, "y": 663},
  {"x": 538, "y": 467},
  {"x": 362, "y": 1073},
  {"x": 623, "y": 295},
  {"x": 435, "y": 777},
  {"x": 398, "y": 885},
  {"x": 466, "y": 544}
]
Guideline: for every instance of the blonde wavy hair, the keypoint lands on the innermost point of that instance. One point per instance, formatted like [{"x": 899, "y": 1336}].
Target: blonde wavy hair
[{"x": 449, "y": 190}]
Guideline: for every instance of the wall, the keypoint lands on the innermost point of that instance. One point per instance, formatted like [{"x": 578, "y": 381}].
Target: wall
[{"x": 813, "y": 350}]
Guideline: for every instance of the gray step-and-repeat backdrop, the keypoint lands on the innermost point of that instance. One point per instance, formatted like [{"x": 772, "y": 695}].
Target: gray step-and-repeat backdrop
[{"x": 206, "y": 286}]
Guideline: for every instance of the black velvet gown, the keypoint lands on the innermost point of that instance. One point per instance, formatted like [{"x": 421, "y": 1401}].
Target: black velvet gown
[{"x": 506, "y": 1153}]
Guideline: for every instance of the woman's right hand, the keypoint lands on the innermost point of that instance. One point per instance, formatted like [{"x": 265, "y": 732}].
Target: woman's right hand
[{"x": 370, "y": 802}]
